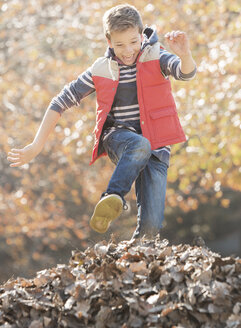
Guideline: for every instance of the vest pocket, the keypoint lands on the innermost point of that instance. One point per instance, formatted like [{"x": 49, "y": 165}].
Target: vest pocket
[
  {"x": 166, "y": 111},
  {"x": 165, "y": 124}
]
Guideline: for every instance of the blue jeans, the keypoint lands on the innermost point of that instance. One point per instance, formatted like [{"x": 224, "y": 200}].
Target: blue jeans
[{"x": 132, "y": 155}]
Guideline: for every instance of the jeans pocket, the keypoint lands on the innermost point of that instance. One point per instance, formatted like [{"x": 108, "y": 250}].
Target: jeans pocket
[{"x": 107, "y": 146}]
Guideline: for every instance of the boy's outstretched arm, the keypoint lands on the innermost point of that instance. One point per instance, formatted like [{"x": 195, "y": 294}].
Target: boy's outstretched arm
[
  {"x": 70, "y": 95},
  {"x": 22, "y": 156},
  {"x": 179, "y": 44}
]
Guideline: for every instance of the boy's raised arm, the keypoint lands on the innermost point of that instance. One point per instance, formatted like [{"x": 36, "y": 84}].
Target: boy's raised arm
[{"x": 18, "y": 157}]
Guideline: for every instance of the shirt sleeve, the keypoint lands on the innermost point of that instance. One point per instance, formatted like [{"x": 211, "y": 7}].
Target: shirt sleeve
[
  {"x": 72, "y": 93},
  {"x": 171, "y": 65}
]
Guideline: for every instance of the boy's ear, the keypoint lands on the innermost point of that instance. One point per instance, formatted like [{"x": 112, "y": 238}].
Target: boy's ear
[{"x": 109, "y": 42}]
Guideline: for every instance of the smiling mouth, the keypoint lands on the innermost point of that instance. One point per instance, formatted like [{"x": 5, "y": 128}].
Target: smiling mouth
[{"x": 128, "y": 58}]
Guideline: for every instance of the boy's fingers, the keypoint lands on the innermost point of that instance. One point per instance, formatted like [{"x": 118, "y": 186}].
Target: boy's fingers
[
  {"x": 170, "y": 35},
  {"x": 177, "y": 34},
  {"x": 173, "y": 34},
  {"x": 16, "y": 164},
  {"x": 13, "y": 159},
  {"x": 16, "y": 151},
  {"x": 10, "y": 154}
]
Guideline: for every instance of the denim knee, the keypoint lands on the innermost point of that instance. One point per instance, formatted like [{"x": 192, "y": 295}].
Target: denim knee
[{"x": 141, "y": 148}]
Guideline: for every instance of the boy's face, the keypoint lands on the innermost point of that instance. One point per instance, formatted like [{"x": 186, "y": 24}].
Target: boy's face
[{"x": 126, "y": 44}]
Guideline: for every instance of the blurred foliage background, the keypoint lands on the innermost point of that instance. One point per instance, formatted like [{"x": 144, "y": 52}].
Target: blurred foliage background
[{"x": 45, "y": 206}]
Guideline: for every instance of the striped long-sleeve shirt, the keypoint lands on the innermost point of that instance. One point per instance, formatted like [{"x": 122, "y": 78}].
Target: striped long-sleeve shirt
[{"x": 125, "y": 107}]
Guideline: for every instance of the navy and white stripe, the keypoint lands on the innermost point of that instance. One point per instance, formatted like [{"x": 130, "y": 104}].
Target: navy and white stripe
[{"x": 125, "y": 107}]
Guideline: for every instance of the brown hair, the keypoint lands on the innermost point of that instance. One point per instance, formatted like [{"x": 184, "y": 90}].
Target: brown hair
[{"x": 120, "y": 18}]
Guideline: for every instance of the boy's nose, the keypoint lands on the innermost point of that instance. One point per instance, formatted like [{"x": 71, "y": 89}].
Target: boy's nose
[{"x": 128, "y": 50}]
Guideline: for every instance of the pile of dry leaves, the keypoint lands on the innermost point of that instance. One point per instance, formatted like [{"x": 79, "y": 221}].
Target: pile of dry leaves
[{"x": 144, "y": 283}]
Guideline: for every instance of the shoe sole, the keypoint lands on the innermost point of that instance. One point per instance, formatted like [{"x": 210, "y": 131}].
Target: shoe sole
[{"x": 107, "y": 210}]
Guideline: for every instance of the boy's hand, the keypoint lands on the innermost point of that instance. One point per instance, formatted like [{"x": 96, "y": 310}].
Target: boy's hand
[
  {"x": 19, "y": 157},
  {"x": 178, "y": 43}
]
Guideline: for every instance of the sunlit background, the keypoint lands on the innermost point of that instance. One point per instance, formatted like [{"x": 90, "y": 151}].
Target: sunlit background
[{"x": 45, "y": 206}]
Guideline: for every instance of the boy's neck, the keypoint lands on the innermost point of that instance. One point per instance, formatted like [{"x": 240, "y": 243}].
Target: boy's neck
[{"x": 120, "y": 62}]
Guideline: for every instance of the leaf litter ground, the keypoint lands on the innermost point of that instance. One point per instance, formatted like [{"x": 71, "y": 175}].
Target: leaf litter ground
[{"x": 142, "y": 283}]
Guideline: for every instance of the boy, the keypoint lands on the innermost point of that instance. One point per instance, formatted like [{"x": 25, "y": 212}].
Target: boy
[{"x": 136, "y": 117}]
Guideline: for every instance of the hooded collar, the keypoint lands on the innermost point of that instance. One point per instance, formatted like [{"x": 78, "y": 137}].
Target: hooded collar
[{"x": 150, "y": 37}]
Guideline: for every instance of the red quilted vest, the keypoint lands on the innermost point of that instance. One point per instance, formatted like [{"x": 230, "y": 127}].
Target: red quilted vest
[{"x": 158, "y": 116}]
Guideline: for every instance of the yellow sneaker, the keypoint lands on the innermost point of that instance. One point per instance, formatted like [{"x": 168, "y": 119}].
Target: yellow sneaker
[{"x": 107, "y": 210}]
